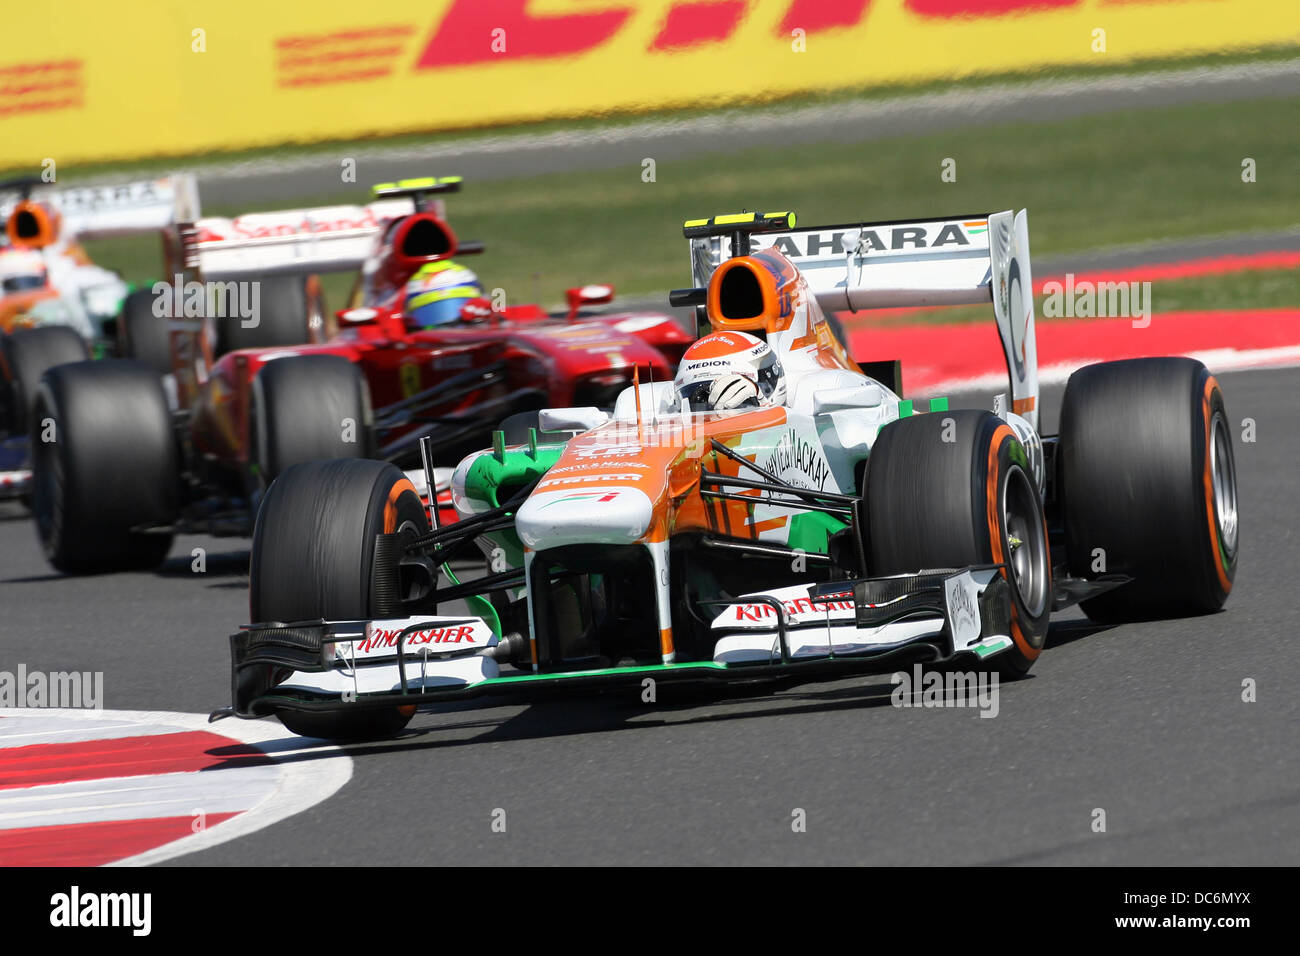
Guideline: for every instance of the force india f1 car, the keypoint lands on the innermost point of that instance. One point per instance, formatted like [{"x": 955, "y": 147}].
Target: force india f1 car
[
  {"x": 128, "y": 471},
  {"x": 843, "y": 530},
  {"x": 56, "y": 305}
]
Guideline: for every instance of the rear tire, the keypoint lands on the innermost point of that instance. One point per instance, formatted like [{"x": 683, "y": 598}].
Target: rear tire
[
  {"x": 142, "y": 335},
  {"x": 952, "y": 495},
  {"x": 111, "y": 467},
  {"x": 291, "y": 311},
  {"x": 301, "y": 409},
  {"x": 1148, "y": 484},
  {"x": 312, "y": 556},
  {"x": 26, "y": 355}
]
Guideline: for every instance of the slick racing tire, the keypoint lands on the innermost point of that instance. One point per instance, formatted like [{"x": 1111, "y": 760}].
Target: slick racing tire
[
  {"x": 1148, "y": 486},
  {"x": 291, "y": 311},
  {"x": 143, "y": 336},
  {"x": 312, "y": 557},
  {"x": 108, "y": 468},
  {"x": 26, "y": 355},
  {"x": 307, "y": 408},
  {"x": 954, "y": 489}
]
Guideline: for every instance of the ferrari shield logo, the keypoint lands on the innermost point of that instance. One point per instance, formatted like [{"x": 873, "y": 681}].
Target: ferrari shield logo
[{"x": 409, "y": 375}]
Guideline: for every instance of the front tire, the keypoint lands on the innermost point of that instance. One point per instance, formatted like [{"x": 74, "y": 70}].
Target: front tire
[
  {"x": 954, "y": 489},
  {"x": 109, "y": 467},
  {"x": 312, "y": 557},
  {"x": 1149, "y": 487}
]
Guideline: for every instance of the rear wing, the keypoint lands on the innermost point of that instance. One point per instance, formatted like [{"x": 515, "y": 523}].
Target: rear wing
[
  {"x": 101, "y": 212},
  {"x": 290, "y": 241},
  {"x": 926, "y": 262}
]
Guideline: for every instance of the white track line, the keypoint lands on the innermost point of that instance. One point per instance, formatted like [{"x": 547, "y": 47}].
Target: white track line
[{"x": 181, "y": 794}]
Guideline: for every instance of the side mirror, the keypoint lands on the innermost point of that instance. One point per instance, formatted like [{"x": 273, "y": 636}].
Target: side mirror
[
  {"x": 866, "y": 395},
  {"x": 571, "y": 419},
  {"x": 587, "y": 295}
]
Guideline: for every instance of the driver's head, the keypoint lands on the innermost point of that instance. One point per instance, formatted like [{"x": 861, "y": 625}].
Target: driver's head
[
  {"x": 438, "y": 291},
  {"x": 726, "y": 370}
]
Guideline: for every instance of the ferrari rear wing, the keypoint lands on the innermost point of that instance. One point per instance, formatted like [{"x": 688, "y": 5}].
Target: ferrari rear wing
[
  {"x": 102, "y": 212},
  {"x": 956, "y": 260},
  {"x": 290, "y": 241}
]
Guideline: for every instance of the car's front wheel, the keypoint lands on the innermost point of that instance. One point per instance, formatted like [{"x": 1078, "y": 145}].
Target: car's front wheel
[
  {"x": 955, "y": 489},
  {"x": 313, "y": 557}
]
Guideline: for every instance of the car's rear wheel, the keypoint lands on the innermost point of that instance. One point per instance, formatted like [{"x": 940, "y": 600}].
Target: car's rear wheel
[
  {"x": 1149, "y": 487},
  {"x": 104, "y": 467},
  {"x": 313, "y": 555},
  {"x": 291, "y": 311},
  {"x": 308, "y": 408},
  {"x": 954, "y": 489},
  {"x": 26, "y": 355}
]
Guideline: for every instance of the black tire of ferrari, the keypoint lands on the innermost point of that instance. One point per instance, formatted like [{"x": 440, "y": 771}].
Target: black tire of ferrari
[
  {"x": 927, "y": 487},
  {"x": 112, "y": 465},
  {"x": 312, "y": 554},
  {"x": 290, "y": 308},
  {"x": 27, "y": 354},
  {"x": 1134, "y": 478},
  {"x": 300, "y": 407}
]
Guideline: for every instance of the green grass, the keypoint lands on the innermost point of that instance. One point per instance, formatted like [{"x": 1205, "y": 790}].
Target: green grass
[{"x": 1107, "y": 180}]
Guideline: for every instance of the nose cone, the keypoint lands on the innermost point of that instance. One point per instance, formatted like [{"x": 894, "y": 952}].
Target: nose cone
[{"x": 576, "y": 515}]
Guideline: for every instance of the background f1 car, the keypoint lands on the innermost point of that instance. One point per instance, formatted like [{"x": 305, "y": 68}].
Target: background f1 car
[
  {"x": 131, "y": 467},
  {"x": 838, "y": 531}
]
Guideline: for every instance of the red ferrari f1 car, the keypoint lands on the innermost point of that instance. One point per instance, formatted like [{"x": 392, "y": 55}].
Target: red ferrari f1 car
[{"x": 421, "y": 353}]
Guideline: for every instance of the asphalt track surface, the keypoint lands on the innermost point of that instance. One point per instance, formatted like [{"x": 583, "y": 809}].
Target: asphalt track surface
[{"x": 1144, "y": 721}]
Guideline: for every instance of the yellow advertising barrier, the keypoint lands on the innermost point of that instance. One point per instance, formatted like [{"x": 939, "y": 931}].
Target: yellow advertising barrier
[{"x": 93, "y": 81}]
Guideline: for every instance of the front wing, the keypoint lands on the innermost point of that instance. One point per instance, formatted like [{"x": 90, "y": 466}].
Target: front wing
[{"x": 816, "y": 630}]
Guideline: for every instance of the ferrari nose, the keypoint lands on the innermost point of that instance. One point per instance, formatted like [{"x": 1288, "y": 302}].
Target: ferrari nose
[{"x": 576, "y": 515}]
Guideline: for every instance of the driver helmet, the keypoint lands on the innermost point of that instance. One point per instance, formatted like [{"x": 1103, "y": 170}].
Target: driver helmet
[
  {"x": 728, "y": 370},
  {"x": 438, "y": 291}
]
